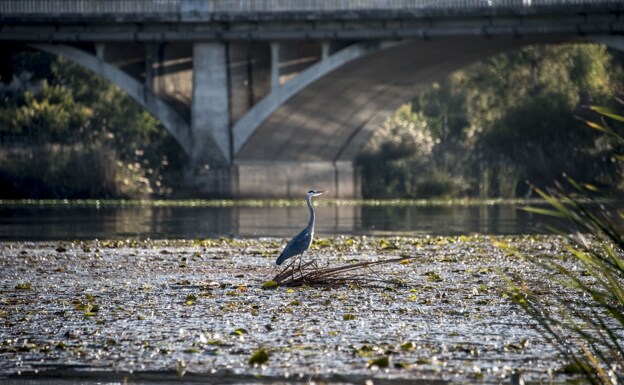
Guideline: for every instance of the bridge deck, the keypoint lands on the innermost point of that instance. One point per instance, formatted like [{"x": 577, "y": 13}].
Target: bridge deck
[{"x": 193, "y": 10}]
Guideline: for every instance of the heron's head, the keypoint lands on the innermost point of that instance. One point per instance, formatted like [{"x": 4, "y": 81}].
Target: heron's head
[{"x": 314, "y": 193}]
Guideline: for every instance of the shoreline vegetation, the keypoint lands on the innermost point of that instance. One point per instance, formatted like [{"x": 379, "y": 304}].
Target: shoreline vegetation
[{"x": 463, "y": 202}]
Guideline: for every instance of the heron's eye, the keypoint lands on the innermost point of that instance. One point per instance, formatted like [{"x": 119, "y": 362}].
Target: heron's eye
[{"x": 311, "y": 192}]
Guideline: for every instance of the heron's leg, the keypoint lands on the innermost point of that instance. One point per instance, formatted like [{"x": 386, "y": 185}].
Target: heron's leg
[
  {"x": 292, "y": 271},
  {"x": 300, "y": 258}
]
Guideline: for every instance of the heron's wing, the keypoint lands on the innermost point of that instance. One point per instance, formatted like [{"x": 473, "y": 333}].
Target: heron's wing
[{"x": 296, "y": 246}]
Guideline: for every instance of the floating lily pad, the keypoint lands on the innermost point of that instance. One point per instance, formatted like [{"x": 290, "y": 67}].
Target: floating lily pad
[
  {"x": 408, "y": 346},
  {"x": 258, "y": 358},
  {"x": 380, "y": 362},
  {"x": 269, "y": 284},
  {"x": 23, "y": 286},
  {"x": 190, "y": 299}
]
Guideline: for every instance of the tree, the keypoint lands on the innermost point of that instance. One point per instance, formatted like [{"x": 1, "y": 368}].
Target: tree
[
  {"x": 57, "y": 117},
  {"x": 507, "y": 119}
]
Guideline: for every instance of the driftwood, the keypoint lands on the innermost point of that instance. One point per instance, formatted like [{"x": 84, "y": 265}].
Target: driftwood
[{"x": 309, "y": 273}]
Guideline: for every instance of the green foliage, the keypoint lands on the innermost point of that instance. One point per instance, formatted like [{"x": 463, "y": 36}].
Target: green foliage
[
  {"x": 69, "y": 171},
  {"x": 269, "y": 284},
  {"x": 596, "y": 346},
  {"x": 487, "y": 128},
  {"x": 397, "y": 161},
  {"x": 379, "y": 362},
  {"x": 50, "y": 114},
  {"x": 66, "y": 133},
  {"x": 259, "y": 357}
]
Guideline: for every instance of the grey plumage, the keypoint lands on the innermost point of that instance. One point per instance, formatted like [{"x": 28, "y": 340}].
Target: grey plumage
[{"x": 302, "y": 241}]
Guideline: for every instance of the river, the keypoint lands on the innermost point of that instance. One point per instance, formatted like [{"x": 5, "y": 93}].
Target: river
[
  {"x": 150, "y": 311},
  {"x": 183, "y": 220}
]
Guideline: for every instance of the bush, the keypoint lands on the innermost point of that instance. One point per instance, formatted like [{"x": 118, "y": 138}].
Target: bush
[
  {"x": 69, "y": 172},
  {"x": 438, "y": 184}
]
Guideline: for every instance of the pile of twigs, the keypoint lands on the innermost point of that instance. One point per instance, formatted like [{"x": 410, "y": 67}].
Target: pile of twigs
[{"x": 309, "y": 273}]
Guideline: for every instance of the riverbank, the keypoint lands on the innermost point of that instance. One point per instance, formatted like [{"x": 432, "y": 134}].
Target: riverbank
[{"x": 196, "y": 311}]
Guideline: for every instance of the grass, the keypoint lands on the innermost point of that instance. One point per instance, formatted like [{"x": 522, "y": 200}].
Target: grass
[{"x": 592, "y": 340}]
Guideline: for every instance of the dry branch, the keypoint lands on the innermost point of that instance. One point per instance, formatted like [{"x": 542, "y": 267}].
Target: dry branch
[{"x": 308, "y": 273}]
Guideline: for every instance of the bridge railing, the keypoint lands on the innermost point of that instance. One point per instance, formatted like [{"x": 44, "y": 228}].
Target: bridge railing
[
  {"x": 155, "y": 7},
  {"x": 226, "y": 6},
  {"x": 77, "y": 7}
]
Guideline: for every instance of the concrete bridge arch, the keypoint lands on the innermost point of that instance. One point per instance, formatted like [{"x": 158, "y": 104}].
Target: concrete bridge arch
[
  {"x": 321, "y": 140},
  {"x": 169, "y": 118}
]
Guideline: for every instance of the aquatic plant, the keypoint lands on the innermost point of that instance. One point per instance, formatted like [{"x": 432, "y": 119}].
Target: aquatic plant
[
  {"x": 427, "y": 330},
  {"x": 587, "y": 329}
]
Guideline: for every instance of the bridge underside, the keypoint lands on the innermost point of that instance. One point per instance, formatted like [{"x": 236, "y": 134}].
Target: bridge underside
[
  {"x": 312, "y": 140},
  {"x": 278, "y": 122}
]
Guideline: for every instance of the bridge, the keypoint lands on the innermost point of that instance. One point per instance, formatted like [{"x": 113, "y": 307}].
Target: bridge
[{"x": 271, "y": 98}]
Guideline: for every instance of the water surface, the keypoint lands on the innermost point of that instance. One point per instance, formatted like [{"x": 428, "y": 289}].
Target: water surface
[{"x": 38, "y": 222}]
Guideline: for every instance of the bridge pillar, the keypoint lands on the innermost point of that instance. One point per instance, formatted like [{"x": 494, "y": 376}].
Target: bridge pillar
[
  {"x": 275, "y": 60},
  {"x": 210, "y": 112},
  {"x": 268, "y": 179},
  {"x": 293, "y": 179}
]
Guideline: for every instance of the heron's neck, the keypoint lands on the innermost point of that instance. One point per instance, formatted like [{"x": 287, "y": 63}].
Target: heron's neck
[{"x": 311, "y": 222}]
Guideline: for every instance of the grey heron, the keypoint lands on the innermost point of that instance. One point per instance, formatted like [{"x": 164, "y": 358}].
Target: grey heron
[{"x": 302, "y": 241}]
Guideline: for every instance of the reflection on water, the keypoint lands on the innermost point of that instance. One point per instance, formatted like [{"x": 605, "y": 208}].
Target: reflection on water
[
  {"x": 54, "y": 222},
  {"x": 451, "y": 220}
]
